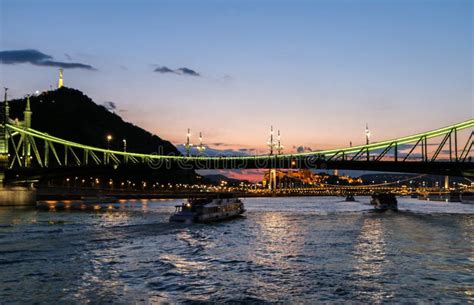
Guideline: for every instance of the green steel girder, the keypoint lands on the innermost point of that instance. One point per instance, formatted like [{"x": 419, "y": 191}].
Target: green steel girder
[
  {"x": 467, "y": 148},
  {"x": 325, "y": 153}
]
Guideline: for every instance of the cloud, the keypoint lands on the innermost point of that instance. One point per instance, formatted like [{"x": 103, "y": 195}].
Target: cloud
[
  {"x": 302, "y": 149},
  {"x": 37, "y": 58},
  {"x": 110, "y": 106},
  {"x": 212, "y": 152},
  {"x": 187, "y": 72},
  {"x": 65, "y": 65},
  {"x": 225, "y": 144},
  {"x": 22, "y": 56},
  {"x": 163, "y": 69},
  {"x": 254, "y": 175},
  {"x": 180, "y": 71}
]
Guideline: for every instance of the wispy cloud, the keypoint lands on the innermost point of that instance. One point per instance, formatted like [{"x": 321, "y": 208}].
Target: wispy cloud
[
  {"x": 110, "y": 106},
  {"x": 38, "y": 58},
  {"x": 187, "y": 71},
  {"x": 180, "y": 71},
  {"x": 163, "y": 70},
  {"x": 254, "y": 175},
  {"x": 213, "y": 152},
  {"x": 302, "y": 149}
]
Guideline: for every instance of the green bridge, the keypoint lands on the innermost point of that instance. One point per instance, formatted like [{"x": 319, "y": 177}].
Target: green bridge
[{"x": 23, "y": 149}]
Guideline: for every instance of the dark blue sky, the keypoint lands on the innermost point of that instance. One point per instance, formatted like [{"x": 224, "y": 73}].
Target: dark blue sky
[{"x": 317, "y": 70}]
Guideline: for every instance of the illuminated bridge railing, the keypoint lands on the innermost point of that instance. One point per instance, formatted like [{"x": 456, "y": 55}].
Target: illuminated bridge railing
[{"x": 26, "y": 150}]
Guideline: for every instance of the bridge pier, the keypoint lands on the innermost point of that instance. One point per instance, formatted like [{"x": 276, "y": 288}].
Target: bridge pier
[
  {"x": 17, "y": 196},
  {"x": 272, "y": 183},
  {"x": 13, "y": 196},
  {"x": 446, "y": 182}
]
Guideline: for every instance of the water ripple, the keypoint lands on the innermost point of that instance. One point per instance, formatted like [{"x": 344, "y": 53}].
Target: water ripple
[{"x": 286, "y": 250}]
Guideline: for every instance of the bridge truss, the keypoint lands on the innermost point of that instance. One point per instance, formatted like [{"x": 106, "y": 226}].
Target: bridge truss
[{"x": 29, "y": 148}]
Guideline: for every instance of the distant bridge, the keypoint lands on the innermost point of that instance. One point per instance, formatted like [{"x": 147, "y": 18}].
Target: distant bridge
[{"x": 31, "y": 152}]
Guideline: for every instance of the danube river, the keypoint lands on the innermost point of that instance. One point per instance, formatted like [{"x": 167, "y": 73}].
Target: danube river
[{"x": 299, "y": 250}]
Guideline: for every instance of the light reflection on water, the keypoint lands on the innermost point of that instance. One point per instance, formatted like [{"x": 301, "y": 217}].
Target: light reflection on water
[
  {"x": 370, "y": 258},
  {"x": 301, "y": 250}
]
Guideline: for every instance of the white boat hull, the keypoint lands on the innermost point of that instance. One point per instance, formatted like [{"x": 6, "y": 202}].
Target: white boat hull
[{"x": 207, "y": 210}]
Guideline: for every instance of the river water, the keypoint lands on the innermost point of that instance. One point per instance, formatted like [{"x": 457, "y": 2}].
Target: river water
[{"x": 298, "y": 250}]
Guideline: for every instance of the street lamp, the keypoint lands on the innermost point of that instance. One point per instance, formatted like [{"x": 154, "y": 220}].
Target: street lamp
[
  {"x": 109, "y": 138},
  {"x": 107, "y": 155},
  {"x": 125, "y": 157}
]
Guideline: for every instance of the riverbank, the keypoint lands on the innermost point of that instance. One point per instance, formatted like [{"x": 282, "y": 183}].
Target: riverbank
[{"x": 77, "y": 194}]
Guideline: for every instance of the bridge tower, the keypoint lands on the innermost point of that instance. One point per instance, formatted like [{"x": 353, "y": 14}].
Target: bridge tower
[
  {"x": 279, "y": 147},
  {"x": 446, "y": 182},
  {"x": 272, "y": 172},
  {"x": 27, "y": 124},
  {"x": 188, "y": 144},
  {"x": 61, "y": 80},
  {"x": 4, "y": 115},
  {"x": 201, "y": 147},
  {"x": 367, "y": 139}
]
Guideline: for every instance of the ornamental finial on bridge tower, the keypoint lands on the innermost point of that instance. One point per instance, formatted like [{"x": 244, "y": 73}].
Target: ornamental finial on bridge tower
[
  {"x": 279, "y": 147},
  {"x": 61, "y": 80},
  {"x": 367, "y": 133},
  {"x": 188, "y": 145},
  {"x": 367, "y": 139},
  {"x": 6, "y": 108},
  {"x": 271, "y": 143},
  {"x": 27, "y": 113},
  {"x": 201, "y": 146},
  {"x": 3, "y": 139},
  {"x": 28, "y": 107}
]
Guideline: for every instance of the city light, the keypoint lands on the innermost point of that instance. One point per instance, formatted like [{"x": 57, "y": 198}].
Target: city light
[{"x": 101, "y": 200}]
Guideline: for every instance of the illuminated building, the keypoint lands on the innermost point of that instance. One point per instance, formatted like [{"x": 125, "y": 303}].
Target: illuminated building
[{"x": 305, "y": 177}]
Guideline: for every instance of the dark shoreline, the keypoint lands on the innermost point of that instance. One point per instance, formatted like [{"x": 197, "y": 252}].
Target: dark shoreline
[{"x": 179, "y": 195}]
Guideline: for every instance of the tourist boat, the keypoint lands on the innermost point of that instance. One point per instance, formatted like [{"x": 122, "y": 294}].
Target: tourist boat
[
  {"x": 350, "y": 198},
  {"x": 219, "y": 207},
  {"x": 384, "y": 202}
]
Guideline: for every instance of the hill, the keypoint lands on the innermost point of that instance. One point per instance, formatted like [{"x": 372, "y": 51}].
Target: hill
[{"x": 70, "y": 114}]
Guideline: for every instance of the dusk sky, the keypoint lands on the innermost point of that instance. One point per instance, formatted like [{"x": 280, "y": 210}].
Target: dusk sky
[{"x": 316, "y": 70}]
